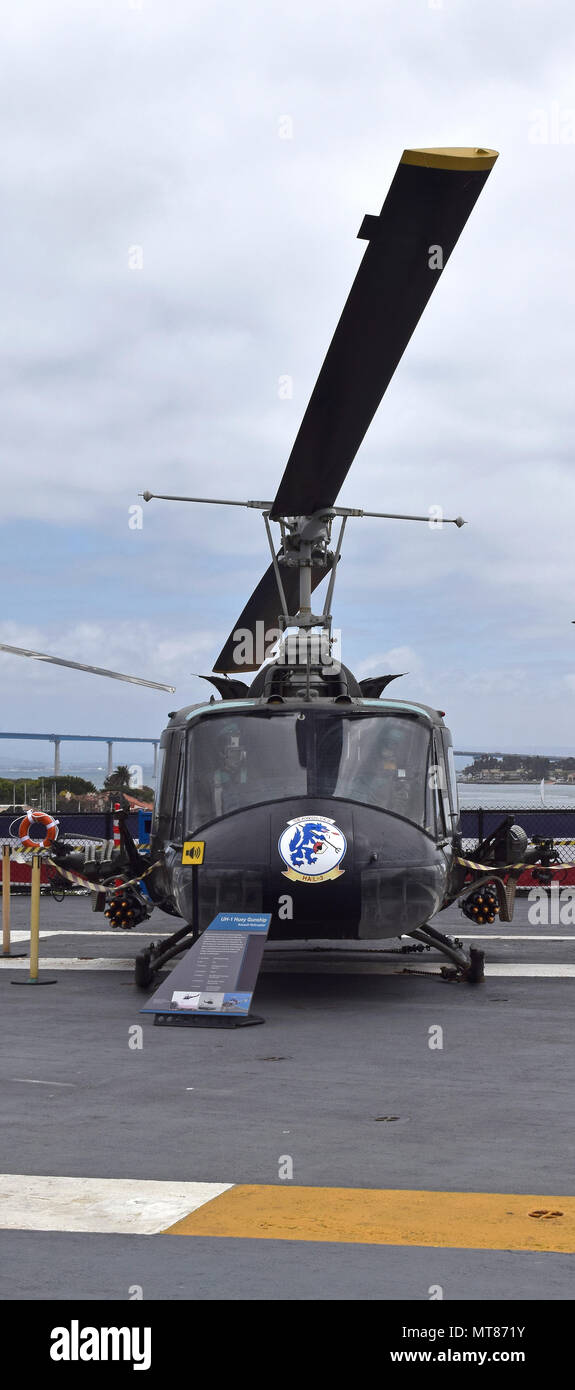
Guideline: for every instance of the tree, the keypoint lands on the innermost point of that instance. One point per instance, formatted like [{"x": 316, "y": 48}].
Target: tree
[
  {"x": 10, "y": 786},
  {"x": 145, "y": 794},
  {"x": 119, "y": 779}
]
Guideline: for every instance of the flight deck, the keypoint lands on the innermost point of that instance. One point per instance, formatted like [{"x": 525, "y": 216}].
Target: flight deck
[{"x": 386, "y": 1135}]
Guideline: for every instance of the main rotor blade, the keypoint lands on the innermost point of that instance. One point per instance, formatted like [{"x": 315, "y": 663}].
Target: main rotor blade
[
  {"x": 263, "y": 607},
  {"x": 430, "y": 199},
  {"x": 78, "y": 666}
]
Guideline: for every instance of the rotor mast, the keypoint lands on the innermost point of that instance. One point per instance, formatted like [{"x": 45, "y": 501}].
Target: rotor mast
[{"x": 305, "y": 542}]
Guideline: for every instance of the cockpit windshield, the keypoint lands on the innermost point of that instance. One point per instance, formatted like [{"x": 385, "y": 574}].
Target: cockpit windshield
[{"x": 244, "y": 759}]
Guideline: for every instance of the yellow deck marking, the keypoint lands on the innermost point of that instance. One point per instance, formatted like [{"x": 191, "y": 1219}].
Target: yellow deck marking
[{"x": 459, "y": 1220}]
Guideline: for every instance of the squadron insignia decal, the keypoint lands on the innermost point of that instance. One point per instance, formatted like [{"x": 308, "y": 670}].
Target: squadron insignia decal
[{"x": 312, "y": 847}]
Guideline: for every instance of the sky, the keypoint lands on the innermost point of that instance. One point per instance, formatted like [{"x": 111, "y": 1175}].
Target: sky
[{"x": 183, "y": 186}]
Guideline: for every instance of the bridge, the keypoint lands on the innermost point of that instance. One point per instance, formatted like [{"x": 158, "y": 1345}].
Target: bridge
[{"x": 58, "y": 739}]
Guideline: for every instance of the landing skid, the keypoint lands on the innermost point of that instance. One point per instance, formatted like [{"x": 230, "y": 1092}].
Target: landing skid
[
  {"x": 153, "y": 957},
  {"x": 467, "y": 965}
]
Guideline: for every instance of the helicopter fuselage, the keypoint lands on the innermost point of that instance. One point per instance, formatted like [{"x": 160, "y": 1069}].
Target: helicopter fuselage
[{"x": 339, "y": 819}]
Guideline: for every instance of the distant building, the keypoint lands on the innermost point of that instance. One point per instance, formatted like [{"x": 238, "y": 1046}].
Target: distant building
[
  {"x": 94, "y": 801},
  {"x": 135, "y": 804}
]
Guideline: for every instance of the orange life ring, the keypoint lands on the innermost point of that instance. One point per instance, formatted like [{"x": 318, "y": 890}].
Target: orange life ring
[{"x": 44, "y": 819}]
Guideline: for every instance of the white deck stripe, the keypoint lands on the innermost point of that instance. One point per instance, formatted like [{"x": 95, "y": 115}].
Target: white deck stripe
[
  {"x": 283, "y": 947},
  {"x": 525, "y": 970},
  {"x": 17, "y": 936},
  {"x": 509, "y": 936},
  {"x": 101, "y": 1205},
  {"x": 69, "y": 963},
  {"x": 275, "y": 947},
  {"x": 36, "y": 1081},
  {"x": 553, "y": 971}
]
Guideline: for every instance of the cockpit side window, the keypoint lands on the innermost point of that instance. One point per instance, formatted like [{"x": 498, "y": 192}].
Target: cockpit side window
[
  {"x": 179, "y": 800},
  {"x": 438, "y": 811},
  {"x": 158, "y": 787},
  {"x": 453, "y": 788}
]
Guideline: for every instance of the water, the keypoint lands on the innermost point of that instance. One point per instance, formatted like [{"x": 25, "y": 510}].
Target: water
[
  {"x": 30, "y": 769},
  {"x": 516, "y": 795}
]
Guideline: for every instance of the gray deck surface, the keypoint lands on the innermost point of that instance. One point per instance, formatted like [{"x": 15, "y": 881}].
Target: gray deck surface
[{"x": 491, "y": 1112}]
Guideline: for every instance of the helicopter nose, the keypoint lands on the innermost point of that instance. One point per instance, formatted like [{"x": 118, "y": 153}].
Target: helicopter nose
[
  {"x": 396, "y": 901},
  {"x": 402, "y": 874}
]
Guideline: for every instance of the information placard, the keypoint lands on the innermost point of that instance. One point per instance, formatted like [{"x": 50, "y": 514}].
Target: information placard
[{"x": 218, "y": 975}]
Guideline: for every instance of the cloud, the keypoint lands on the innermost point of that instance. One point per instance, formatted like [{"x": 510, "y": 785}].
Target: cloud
[
  {"x": 397, "y": 659},
  {"x": 161, "y": 128}
]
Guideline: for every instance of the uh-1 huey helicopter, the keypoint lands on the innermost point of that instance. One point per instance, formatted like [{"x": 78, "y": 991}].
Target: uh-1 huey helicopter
[{"x": 305, "y": 794}]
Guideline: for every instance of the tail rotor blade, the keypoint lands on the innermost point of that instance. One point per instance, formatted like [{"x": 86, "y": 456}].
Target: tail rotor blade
[
  {"x": 78, "y": 666},
  {"x": 430, "y": 199}
]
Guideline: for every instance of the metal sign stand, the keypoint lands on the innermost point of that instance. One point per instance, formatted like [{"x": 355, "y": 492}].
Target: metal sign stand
[
  {"x": 6, "y": 942},
  {"x": 34, "y": 977}
]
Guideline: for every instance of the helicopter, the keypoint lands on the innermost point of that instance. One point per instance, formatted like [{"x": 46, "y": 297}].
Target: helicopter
[{"x": 304, "y": 792}]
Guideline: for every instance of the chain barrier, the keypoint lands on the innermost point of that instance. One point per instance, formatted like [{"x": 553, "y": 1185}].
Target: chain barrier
[
  {"x": 97, "y": 887},
  {"x": 524, "y": 864}
]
